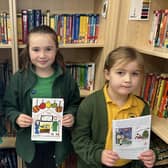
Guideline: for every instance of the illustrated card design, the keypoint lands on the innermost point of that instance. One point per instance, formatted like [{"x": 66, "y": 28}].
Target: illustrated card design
[
  {"x": 47, "y": 114},
  {"x": 131, "y": 136}
]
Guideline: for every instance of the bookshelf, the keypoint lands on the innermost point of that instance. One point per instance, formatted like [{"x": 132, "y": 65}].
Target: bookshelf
[
  {"x": 93, "y": 52},
  {"x": 159, "y": 127},
  {"x": 114, "y": 30},
  {"x": 136, "y": 33}
]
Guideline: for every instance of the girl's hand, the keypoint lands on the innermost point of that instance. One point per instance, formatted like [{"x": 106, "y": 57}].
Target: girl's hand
[
  {"x": 148, "y": 158},
  {"x": 108, "y": 158},
  {"x": 68, "y": 120},
  {"x": 24, "y": 120}
]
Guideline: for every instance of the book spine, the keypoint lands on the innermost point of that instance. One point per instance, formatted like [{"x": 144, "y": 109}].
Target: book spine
[
  {"x": 156, "y": 40},
  {"x": 24, "y": 25},
  {"x": 37, "y": 17},
  {"x": 9, "y": 29},
  {"x": 77, "y": 23},
  {"x": 96, "y": 28},
  {"x": 31, "y": 23},
  {"x": 48, "y": 17},
  {"x": 164, "y": 99},
  {"x": 2, "y": 38},
  {"x": 52, "y": 22},
  {"x": 5, "y": 28},
  {"x": 163, "y": 28},
  {"x": 73, "y": 27},
  {"x": 64, "y": 28},
  {"x": 19, "y": 28}
]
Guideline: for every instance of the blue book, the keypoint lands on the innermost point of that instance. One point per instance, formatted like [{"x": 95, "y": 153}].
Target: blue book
[
  {"x": 31, "y": 19},
  {"x": 76, "y": 32},
  {"x": 37, "y": 17}
]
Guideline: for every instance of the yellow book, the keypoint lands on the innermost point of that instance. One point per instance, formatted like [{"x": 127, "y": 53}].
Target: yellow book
[
  {"x": 9, "y": 29},
  {"x": 64, "y": 32},
  {"x": 86, "y": 28},
  {"x": 19, "y": 28},
  {"x": 52, "y": 22},
  {"x": 48, "y": 17},
  {"x": 81, "y": 27},
  {"x": 159, "y": 93}
]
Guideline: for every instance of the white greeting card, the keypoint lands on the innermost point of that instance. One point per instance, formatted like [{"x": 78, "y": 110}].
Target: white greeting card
[{"x": 47, "y": 116}]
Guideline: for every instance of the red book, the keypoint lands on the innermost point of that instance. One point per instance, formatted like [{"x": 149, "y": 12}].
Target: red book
[
  {"x": 147, "y": 86},
  {"x": 24, "y": 25}
]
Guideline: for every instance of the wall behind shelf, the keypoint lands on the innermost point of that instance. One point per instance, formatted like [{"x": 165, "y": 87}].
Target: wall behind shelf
[
  {"x": 5, "y": 5},
  {"x": 155, "y": 64}
]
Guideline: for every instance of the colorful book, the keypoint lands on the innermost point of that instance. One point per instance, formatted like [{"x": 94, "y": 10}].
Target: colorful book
[
  {"x": 164, "y": 100},
  {"x": 163, "y": 26},
  {"x": 159, "y": 93}
]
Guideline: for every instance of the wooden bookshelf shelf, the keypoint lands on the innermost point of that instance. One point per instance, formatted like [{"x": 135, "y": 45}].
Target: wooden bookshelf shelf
[
  {"x": 84, "y": 93},
  {"x": 162, "y": 162},
  {"x": 5, "y": 46},
  {"x": 8, "y": 142},
  {"x": 159, "y": 127},
  {"x": 81, "y": 45},
  {"x": 158, "y": 52}
]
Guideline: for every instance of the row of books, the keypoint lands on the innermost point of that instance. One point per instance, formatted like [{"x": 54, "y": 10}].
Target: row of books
[
  {"x": 5, "y": 73},
  {"x": 5, "y": 28},
  {"x": 155, "y": 92},
  {"x": 8, "y": 158},
  {"x": 159, "y": 30},
  {"x": 70, "y": 28},
  {"x": 84, "y": 74},
  {"x": 160, "y": 148}
]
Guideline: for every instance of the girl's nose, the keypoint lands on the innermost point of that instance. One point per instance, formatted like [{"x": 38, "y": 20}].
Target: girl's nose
[
  {"x": 42, "y": 54},
  {"x": 127, "y": 77}
]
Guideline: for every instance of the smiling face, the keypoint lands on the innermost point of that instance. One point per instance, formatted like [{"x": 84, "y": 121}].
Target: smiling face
[
  {"x": 42, "y": 51},
  {"x": 123, "y": 78}
]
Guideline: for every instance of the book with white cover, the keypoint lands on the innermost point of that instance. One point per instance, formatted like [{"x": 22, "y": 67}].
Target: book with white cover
[
  {"x": 131, "y": 136},
  {"x": 47, "y": 114}
]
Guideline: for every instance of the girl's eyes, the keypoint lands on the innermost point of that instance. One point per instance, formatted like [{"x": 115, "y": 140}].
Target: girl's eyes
[
  {"x": 48, "y": 49},
  {"x": 35, "y": 49},
  {"x": 122, "y": 73},
  {"x": 136, "y": 73},
  {"x": 38, "y": 49}
]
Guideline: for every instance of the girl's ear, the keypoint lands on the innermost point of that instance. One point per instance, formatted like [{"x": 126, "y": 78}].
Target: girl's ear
[{"x": 106, "y": 75}]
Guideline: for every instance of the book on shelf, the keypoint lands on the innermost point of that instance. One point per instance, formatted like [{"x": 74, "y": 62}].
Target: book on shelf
[
  {"x": 163, "y": 109},
  {"x": 70, "y": 28},
  {"x": 83, "y": 73},
  {"x": 163, "y": 26},
  {"x": 31, "y": 19},
  {"x": 24, "y": 25},
  {"x": 5, "y": 28},
  {"x": 159, "y": 29},
  {"x": 8, "y": 158},
  {"x": 147, "y": 86},
  {"x": 154, "y": 91},
  {"x": 160, "y": 94},
  {"x": 19, "y": 28}
]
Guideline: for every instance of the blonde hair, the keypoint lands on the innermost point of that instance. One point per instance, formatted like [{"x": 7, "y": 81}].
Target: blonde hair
[{"x": 123, "y": 55}]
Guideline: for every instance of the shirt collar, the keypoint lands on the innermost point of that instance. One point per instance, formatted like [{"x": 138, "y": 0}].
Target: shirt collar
[{"x": 131, "y": 102}]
